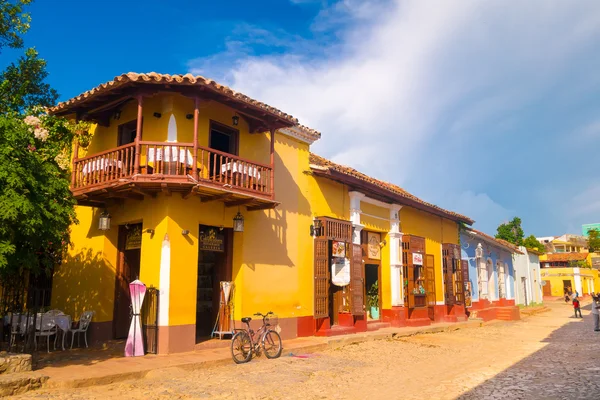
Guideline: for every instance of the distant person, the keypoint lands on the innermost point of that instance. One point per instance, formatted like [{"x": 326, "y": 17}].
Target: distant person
[
  {"x": 566, "y": 295},
  {"x": 576, "y": 307},
  {"x": 595, "y": 311}
]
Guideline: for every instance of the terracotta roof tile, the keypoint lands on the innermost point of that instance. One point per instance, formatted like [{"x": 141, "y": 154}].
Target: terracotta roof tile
[
  {"x": 558, "y": 257},
  {"x": 390, "y": 187},
  {"x": 501, "y": 242},
  {"x": 181, "y": 80}
]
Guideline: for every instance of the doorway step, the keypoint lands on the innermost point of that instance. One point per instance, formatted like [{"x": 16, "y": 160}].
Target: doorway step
[
  {"x": 376, "y": 325},
  {"x": 336, "y": 330}
]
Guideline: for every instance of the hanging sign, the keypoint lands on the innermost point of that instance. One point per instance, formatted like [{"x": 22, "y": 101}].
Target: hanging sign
[
  {"x": 417, "y": 259},
  {"x": 338, "y": 249},
  {"x": 373, "y": 240},
  {"x": 210, "y": 240},
  {"x": 340, "y": 271},
  {"x": 134, "y": 239}
]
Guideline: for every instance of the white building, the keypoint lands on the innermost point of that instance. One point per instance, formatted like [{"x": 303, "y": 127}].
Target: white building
[{"x": 528, "y": 280}]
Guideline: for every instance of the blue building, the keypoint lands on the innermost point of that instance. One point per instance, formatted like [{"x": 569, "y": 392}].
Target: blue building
[{"x": 491, "y": 269}]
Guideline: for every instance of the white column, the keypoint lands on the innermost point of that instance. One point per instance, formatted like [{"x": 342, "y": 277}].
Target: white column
[
  {"x": 441, "y": 303},
  {"x": 577, "y": 279},
  {"x": 355, "y": 198},
  {"x": 165, "y": 282},
  {"x": 396, "y": 256}
]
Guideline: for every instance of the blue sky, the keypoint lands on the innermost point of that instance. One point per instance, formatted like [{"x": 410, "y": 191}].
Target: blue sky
[{"x": 486, "y": 108}]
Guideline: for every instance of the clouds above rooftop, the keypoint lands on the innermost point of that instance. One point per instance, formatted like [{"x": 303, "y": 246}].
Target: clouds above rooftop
[{"x": 480, "y": 107}]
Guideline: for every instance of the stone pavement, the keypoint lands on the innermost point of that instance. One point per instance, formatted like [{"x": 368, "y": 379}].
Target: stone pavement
[{"x": 384, "y": 356}]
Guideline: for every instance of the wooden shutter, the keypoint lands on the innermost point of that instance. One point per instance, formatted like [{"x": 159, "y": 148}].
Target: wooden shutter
[
  {"x": 409, "y": 272},
  {"x": 459, "y": 282},
  {"x": 447, "y": 264},
  {"x": 321, "y": 278},
  {"x": 430, "y": 279},
  {"x": 357, "y": 280}
]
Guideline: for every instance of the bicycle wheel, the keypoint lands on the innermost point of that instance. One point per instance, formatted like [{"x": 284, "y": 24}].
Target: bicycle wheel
[
  {"x": 241, "y": 347},
  {"x": 271, "y": 344}
]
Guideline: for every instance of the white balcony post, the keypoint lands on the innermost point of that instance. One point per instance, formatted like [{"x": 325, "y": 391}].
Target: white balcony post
[
  {"x": 395, "y": 256},
  {"x": 355, "y": 198}
]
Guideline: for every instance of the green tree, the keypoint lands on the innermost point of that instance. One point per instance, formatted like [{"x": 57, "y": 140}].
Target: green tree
[
  {"x": 22, "y": 84},
  {"x": 511, "y": 232},
  {"x": 532, "y": 243},
  {"x": 14, "y": 22},
  {"x": 36, "y": 204},
  {"x": 594, "y": 240}
]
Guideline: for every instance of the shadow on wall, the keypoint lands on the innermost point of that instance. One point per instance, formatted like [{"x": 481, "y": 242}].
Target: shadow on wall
[
  {"x": 564, "y": 368},
  {"x": 270, "y": 234},
  {"x": 84, "y": 282}
]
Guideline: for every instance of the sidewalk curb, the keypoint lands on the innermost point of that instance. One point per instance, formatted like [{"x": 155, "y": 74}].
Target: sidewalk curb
[{"x": 329, "y": 344}]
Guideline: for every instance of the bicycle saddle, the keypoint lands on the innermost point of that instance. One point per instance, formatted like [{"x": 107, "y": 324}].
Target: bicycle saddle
[{"x": 246, "y": 320}]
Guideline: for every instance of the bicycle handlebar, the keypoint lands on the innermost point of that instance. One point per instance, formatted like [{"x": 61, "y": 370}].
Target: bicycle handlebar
[{"x": 263, "y": 315}]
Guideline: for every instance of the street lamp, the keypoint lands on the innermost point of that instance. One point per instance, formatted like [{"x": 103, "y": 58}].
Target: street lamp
[{"x": 104, "y": 221}]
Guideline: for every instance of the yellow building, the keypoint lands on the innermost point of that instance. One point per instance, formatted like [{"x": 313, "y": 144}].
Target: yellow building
[
  {"x": 177, "y": 162},
  {"x": 563, "y": 272}
]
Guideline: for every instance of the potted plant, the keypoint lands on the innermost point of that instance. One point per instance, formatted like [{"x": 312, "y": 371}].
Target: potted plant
[{"x": 373, "y": 301}]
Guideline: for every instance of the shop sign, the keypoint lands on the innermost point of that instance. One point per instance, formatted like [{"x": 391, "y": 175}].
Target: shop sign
[
  {"x": 338, "y": 249},
  {"x": 210, "y": 240},
  {"x": 373, "y": 240},
  {"x": 468, "y": 291},
  {"x": 340, "y": 271},
  {"x": 134, "y": 239},
  {"x": 417, "y": 259}
]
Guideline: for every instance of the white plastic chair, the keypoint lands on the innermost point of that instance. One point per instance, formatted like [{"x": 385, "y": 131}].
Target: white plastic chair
[
  {"x": 82, "y": 327},
  {"x": 46, "y": 328}
]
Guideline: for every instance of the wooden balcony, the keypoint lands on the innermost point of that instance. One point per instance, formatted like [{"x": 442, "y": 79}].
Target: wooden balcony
[{"x": 172, "y": 167}]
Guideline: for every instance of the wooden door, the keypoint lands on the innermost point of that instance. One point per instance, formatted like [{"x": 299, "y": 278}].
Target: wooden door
[
  {"x": 357, "y": 280},
  {"x": 547, "y": 289},
  {"x": 128, "y": 270},
  {"x": 447, "y": 267},
  {"x": 459, "y": 281},
  {"x": 430, "y": 284},
  {"x": 321, "y": 278}
]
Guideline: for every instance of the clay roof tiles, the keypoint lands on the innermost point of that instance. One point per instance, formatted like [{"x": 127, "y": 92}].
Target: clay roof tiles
[
  {"x": 501, "y": 242},
  {"x": 390, "y": 187},
  {"x": 564, "y": 257},
  {"x": 182, "y": 80}
]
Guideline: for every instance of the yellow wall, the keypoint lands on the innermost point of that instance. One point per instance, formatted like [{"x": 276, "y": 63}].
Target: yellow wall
[
  {"x": 556, "y": 276},
  {"x": 436, "y": 231},
  {"x": 272, "y": 258}
]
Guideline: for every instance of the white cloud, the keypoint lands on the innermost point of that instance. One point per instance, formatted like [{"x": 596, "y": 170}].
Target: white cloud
[{"x": 407, "y": 77}]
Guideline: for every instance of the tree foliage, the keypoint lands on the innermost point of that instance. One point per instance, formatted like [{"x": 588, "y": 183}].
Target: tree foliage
[
  {"x": 14, "y": 22},
  {"x": 532, "y": 243},
  {"x": 23, "y": 86},
  {"x": 511, "y": 232},
  {"x": 593, "y": 240},
  {"x": 36, "y": 204}
]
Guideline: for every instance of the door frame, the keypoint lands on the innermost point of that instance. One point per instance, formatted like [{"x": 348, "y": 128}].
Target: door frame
[{"x": 121, "y": 241}]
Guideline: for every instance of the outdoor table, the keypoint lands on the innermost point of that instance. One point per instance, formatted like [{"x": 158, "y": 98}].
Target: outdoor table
[
  {"x": 100, "y": 164},
  {"x": 63, "y": 322},
  {"x": 237, "y": 167}
]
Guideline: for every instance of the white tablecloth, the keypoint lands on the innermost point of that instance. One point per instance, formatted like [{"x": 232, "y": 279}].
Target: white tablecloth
[
  {"x": 100, "y": 164},
  {"x": 238, "y": 167},
  {"x": 169, "y": 154}
]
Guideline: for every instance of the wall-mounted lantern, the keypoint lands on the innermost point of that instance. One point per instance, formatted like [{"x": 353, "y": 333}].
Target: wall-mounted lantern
[
  {"x": 238, "y": 223},
  {"x": 185, "y": 232},
  {"x": 315, "y": 230},
  {"x": 118, "y": 114},
  {"x": 104, "y": 221},
  {"x": 235, "y": 120},
  {"x": 157, "y": 115},
  {"x": 189, "y": 116}
]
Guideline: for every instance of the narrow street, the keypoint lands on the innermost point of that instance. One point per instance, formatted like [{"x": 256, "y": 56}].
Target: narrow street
[{"x": 547, "y": 356}]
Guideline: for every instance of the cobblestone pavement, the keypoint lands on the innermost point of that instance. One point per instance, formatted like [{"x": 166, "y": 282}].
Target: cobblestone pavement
[{"x": 547, "y": 356}]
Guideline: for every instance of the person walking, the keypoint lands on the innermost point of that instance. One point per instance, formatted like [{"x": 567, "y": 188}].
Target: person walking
[
  {"x": 595, "y": 312},
  {"x": 577, "y": 307}
]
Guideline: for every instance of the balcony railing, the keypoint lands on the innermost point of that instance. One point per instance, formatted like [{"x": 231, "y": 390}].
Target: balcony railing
[{"x": 173, "y": 162}]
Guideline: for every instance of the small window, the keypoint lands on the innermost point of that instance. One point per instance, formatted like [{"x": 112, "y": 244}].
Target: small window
[{"x": 126, "y": 133}]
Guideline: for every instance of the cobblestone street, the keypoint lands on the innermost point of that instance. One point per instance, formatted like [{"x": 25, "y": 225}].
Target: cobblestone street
[{"x": 546, "y": 356}]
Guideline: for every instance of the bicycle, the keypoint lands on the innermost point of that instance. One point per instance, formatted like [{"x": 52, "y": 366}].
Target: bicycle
[{"x": 246, "y": 341}]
